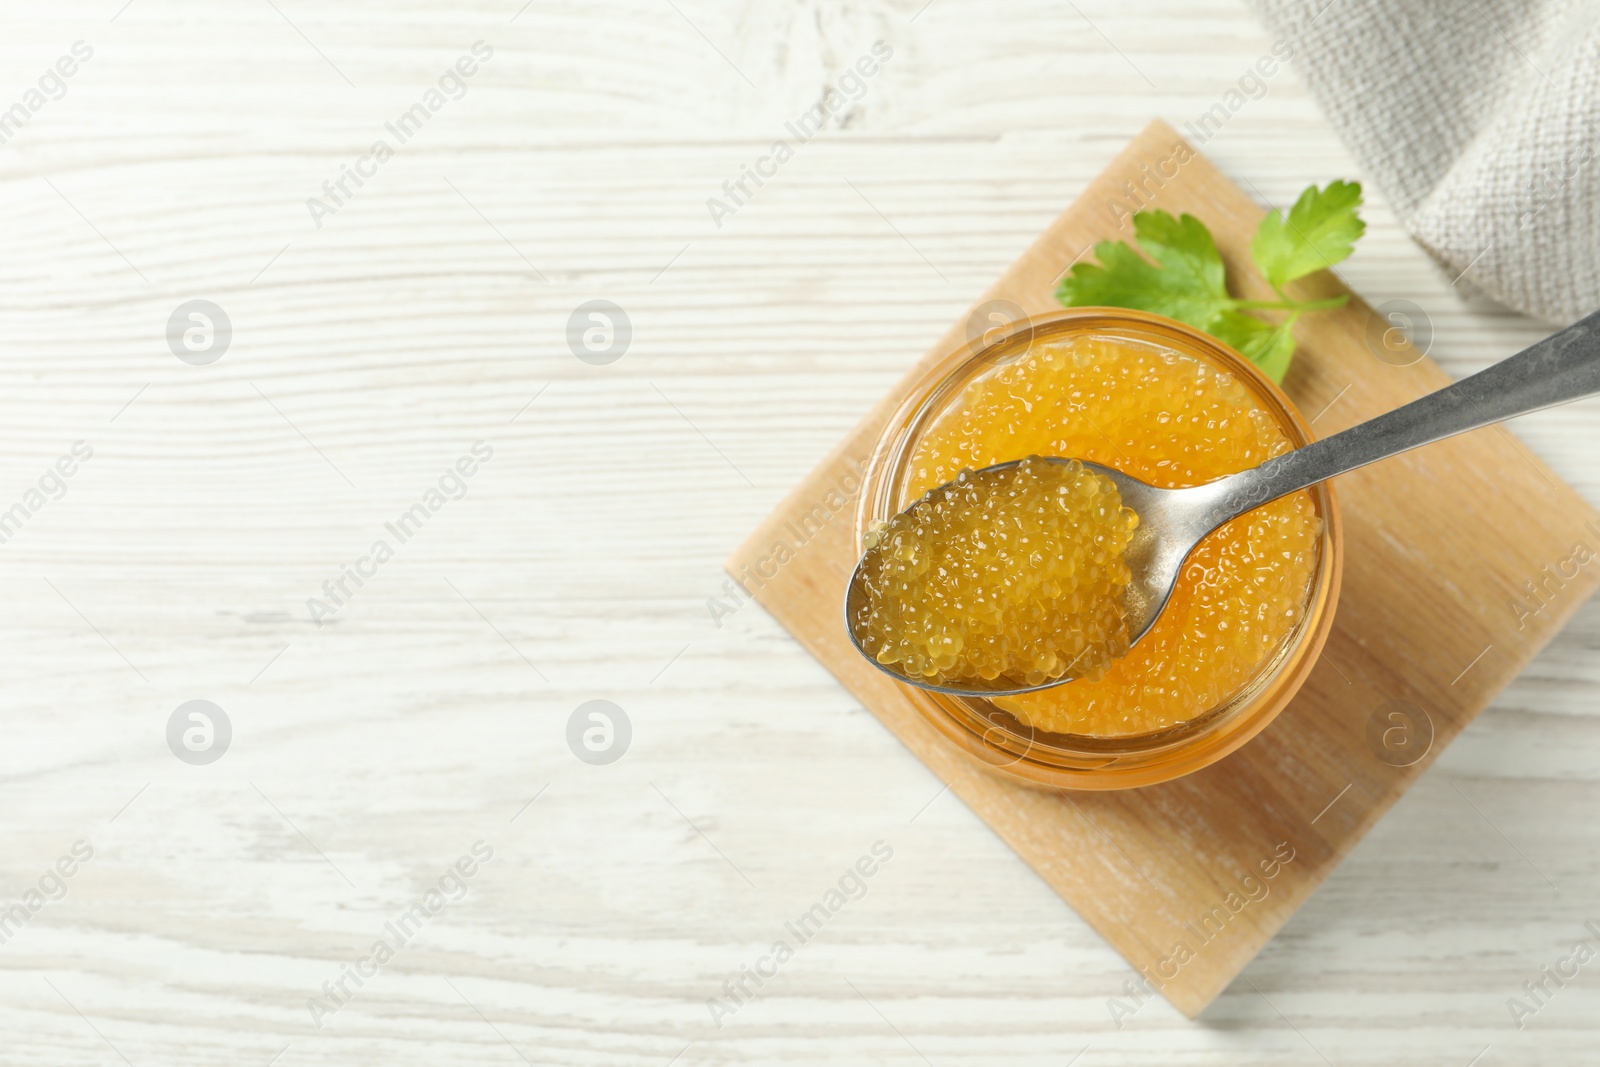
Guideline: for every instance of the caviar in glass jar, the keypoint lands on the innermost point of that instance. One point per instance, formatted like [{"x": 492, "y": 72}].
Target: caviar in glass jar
[{"x": 1172, "y": 420}]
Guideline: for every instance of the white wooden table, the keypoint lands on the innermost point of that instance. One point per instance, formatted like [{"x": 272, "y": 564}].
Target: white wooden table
[{"x": 429, "y": 312}]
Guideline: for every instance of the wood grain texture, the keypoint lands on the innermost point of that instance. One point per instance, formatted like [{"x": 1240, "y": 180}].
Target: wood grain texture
[
  {"x": 1438, "y": 546},
  {"x": 390, "y": 739}
]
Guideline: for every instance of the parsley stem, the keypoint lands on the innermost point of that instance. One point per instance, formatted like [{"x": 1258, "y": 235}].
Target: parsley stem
[{"x": 1292, "y": 305}]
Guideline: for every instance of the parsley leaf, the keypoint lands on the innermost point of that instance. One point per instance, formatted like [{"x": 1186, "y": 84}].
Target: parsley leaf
[
  {"x": 1267, "y": 346},
  {"x": 1321, "y": 230},
  {"x": 1187, "y": 280},
  {"x": 1188, "y": 285}
]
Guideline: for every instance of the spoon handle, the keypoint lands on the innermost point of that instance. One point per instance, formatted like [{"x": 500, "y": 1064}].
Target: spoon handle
[{"x": 1564, "y": 366}]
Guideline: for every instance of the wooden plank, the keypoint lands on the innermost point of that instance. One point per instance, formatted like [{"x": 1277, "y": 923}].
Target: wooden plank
[{"x": 1440, "y": 544}]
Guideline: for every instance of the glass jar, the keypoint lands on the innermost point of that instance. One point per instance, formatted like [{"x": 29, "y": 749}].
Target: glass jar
[{"x": 994, "y": 736}]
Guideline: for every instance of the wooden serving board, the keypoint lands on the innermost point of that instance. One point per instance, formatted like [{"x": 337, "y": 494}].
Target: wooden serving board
[{"x": 1190, "y": 879}]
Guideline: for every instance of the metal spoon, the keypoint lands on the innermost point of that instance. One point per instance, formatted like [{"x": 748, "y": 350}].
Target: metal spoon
[{"x": 1563, "y": 367}]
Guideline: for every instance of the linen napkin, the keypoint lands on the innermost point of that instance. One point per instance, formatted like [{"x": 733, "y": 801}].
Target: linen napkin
[{"x": 1479, "y": 120}]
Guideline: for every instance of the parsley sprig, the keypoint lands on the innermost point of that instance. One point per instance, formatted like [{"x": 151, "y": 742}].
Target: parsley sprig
[{"x": 1187, "y": 281}]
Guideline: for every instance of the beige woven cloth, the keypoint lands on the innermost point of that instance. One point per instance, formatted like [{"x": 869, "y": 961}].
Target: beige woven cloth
[{"x": 1479, "y": 120}]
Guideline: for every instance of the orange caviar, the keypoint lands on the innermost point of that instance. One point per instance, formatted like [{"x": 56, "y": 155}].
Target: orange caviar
[
  {"x": 1011, "y": 576},
  {"x": 1172, "y": 420}
]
